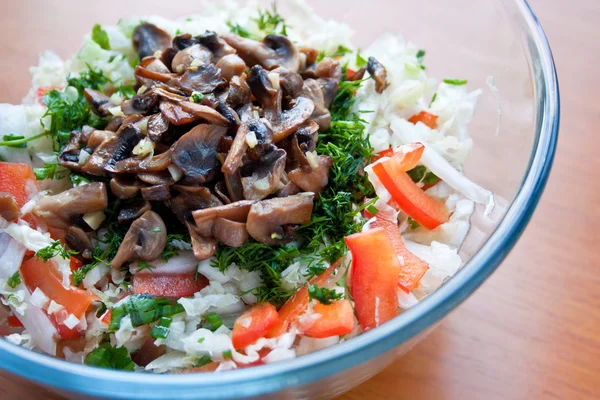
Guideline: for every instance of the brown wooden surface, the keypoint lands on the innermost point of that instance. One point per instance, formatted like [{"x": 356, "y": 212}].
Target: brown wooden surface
[{"x": 533, "y": 330}]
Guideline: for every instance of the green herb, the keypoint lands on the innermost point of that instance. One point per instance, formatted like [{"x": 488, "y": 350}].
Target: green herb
[
  {"x": 456, "y": 82},
  {"x": 372, "y": 209},
  {"x": 433, "y": 99},
  {"x": 339, "y": 52},
  {"x": 101, "y": 310},
  {"x": 412, "y": 223},
  {"x": 100, "y": 36},
  {"x": 11, "y": 140},
  {"x": 241, "y": 31},
  {"x": 133, "y": 62},
  {"x": 161, "y": 330},
  {"x": 156, "y": 230},
  {"x": 212, "y": 321},
  {"x": 126, "y": 91},
  {"x": 227, "y": 354},
  {"x": 54, "y": 249},
  {"x": 420, "y": 56},
  {"x": 171, "y": 249},
  {"x": 197, "y": 97},
  {"x": 143, "y": 309},
  {"x": 202, "y": 361},
  {"x": 360, "y": 61},
  {"x": 201, "y": 340},
  {"x": 422, "y": 174},
  {"x": 50, "y": 171},
  {"x": 269, "y": 21},
  {"x": 107, "y": 356},
  {"x": 323, "y": 295},
  {"x": 14, "y": 280},
  {"x": 77, "y": 179},
  {"x": 143, "y": 265}
]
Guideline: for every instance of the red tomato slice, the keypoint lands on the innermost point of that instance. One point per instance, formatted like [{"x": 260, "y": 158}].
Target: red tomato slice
[
  {"x": 63, "y": 331},
  {"x": 13, "y": 321},
  {"x": 336, "y": 319},
  {"x": 164, "y": 285},
  {"x": 427, "y": 118},
  {"x": 43, "y": 275},
  {"x": 75, "y": 263},
  {"x": 374, "y": 277},
  {"x": 253, "y": 324},
  {"x": 410, "y": 198},
  {"x": 298, "y": 303},
  {"x": 13, "y": 180},
  {"x": 413, "y": 268},
  {"x": 43, "y": 90}
]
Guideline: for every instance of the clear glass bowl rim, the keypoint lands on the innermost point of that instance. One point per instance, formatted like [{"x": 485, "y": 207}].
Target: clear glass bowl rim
[{"x": 271, "y": 378}]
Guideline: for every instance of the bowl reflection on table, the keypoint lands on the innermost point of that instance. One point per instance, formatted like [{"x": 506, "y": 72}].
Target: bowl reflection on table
[{"x": 471, "y": 39}]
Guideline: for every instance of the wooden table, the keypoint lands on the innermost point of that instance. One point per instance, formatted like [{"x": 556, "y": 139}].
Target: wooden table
[{"x": 533, "y": 330}]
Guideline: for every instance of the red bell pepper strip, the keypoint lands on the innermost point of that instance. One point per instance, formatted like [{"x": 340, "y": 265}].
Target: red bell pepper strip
[
  {"x": 14, "y": 179},
  {"x": 45, "y": 276},
  {"x": 410, "y": 198},
  {"x": 336, "y": 319},
  {"x": 253, "y": 325},
  {"x": 426, "y": 118},
  {"x": 412, "y": 267},
  {"x": 298, "y": 303},
  {"x": 168, "y": 285},
  {"x": 374, "y": 277}
]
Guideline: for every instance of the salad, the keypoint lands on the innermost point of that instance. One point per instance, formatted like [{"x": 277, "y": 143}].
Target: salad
[{"x": 226, "y": 190}]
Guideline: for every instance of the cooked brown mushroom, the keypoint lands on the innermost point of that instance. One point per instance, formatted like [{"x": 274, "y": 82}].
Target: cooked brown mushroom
[
  {"x": 79, "y": 241},
  {"x": 260, "y": 178},
  {"x": 205, "y": 113},
  {"x": 269, "y": 220},
  {"x": 289, "y": 82},
  {"x": 329, "y": 68},
  {"x": 158, "y": 125},
  {"x": 356, "y": 76},
  {"x": 156, "y": 178},
  {"x": 98, "y": 102},
  {"x": 203, "y": 248},
  {"x": 148, "y": 38},
  {"x": 221, "y": 192},
  {"x": 274, "y": 51},
  {"x": 133, "y": 211},
  {"x": 151, "y": 71},
  {"x": 191, "y": 57},
  {"x": 195, "y": 153},
  {"x": 190, "y": 198},
  {"x": 205, "y": 78},
  {"x": 329, "y": 87},
  {"x": 377, "y": 72},
  {"x": 315, "y": 178},
  {"x": 97, "y": 138},
  {"x": 310, "y": 54},
  {"x": 153, "y": 163},
  {"x": 218, "y": 46},
  {"x": 141, "y": 104},
  {"x": 226, "y": 224},
  {"x": 59, "y": 210},
  {"x": 289, "y": 189},
  {"x": 312, "y": 90},
  {"x": 125, "y": 188},
  {"x": 239, "y": 91},
  {"x": 145, "y": 240},
  {"x": 114, "y": 124},
  {"x": 69, "y": 155},
  {"x": 231, "y": 65},
  {"x": 9, "y": 209},
  {"x": 156, "y": 193}
]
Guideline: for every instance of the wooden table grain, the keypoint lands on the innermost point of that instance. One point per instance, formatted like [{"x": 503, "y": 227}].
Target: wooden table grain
[{"x": 533, "y": 330}]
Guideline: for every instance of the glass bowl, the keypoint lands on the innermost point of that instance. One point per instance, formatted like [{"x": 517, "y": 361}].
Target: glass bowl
[{"x": 471, "y": 39}]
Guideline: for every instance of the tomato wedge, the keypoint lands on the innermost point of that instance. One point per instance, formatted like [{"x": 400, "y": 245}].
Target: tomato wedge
[
  {"x": 426, "y": 118},
  {"x": 13, "y": 321},
  {"x": 253, "y": 324},
  {"x": 43, "y": 275},
  {"x": 374, "y": 277},
  {"x": 168, "y": 285},
  {"x": 13, "y": 180},
  {"x": 412, "y": 267},
  {"x": 298, "y": 303},
  {"x": 336, "y": 319},
  {"x": 410, "y": 198}
]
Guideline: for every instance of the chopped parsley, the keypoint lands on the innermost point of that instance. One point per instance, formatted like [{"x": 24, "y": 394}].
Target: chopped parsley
[
  {"x": 16, "y": 141},
  {"x": 142, "y": 265},
  {"x": 54, "y": 249},
  {"x": 107, "y": 356},
  {"x": 267, "y": 22},
  {"x": 420, "y": 56},
  {"x": 433, "y": 98},
  {"x": 126, "y": 91},
  {"x": 14, "y": 280},
  {"x": 360, "y": 60},
  {"x": 172, "y": 250},
  {"x": 455, "y": 82},
  {"x": 100, "y": 36},
  {"x": 423, "y": 175},
  {"x": 323, "y": 295},
  {"x": 339, "y": 52},
  {"x": 77, "y": 179},
  {"x": 143, "y": 309},
  {"x": 50, "y": 171}
]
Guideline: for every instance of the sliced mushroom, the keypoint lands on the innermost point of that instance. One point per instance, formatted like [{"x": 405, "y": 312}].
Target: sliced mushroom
[
  {"x": 133, "y": 211},
  {"x": 190, "y": 198},
  {"x": 356, "y": 76},
  {"x": 218, "y": 46},
  {"x": 205, "y": 113},
  {"x": 312, "y": 179},
  {"x": 9, "y": 209},
  {"x": 233, "y": 182},
  {"x": 237, "y": 150},
  {"x": 124, "y": 188},
  {"x": 261, "y": 178},
  {"x": 310, "y": 54},
  {"x": 274, "y": 51},
  {"x": 156, "y": 178},
  {"x": 221, "y": 191},
  {"x": 79, "y": 241},
  {"x": 231, "y": 65},
  {"x": 183, "y": 41},
  {"x": 289, "y": 82},
  {"x": 98, "y": 102},
  {"x": 230, "y": 233},
  {"x": 205, "y": 217},
  {"x": 205, "y": 78},
  {"x": 329, "y": 87},
  {"x": 329, "y": 68},
  {"x": 151, "y": 72},
  {"x": 134, "y": 165},
  {"x": 297, "y": 145},
  {"x": 195, "y": 153},
  {"x": 141, "y": 104},
  {"x": 145, "y": 240},
  {"x": 377, "y": 72},
  {"x": 69, "y": 155},
  {"x": 192, "y": 56},
  {"x": 98, "y": 137},
  {"x": 239, "y": 91},
  {"x": 59, "y": 210},
  {"x": 176, "y": 115},
  {"x": 269, "y": 220},
  {"x": 288, "y": 190},
  {"x": 114, "y": 124},
  {"x": 203, "y": 248},
  {"x": 148, "y": 38},
  {"x": 156, "y": 193},
  {"x": 158, "y": 125},
  {"x": 321, "y": 115}
]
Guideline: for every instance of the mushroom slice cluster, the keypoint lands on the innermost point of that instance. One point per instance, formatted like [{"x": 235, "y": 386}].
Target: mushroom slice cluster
[{"x": 220, "y": 140}]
